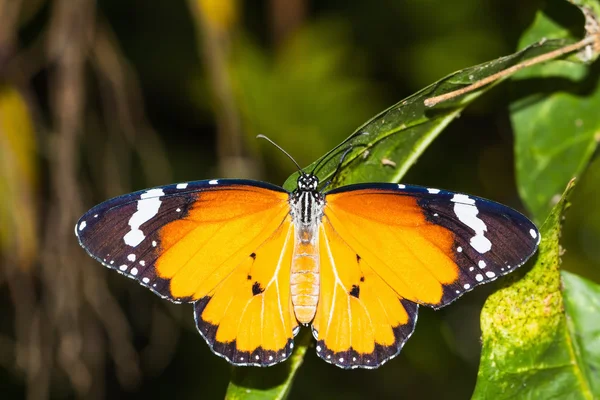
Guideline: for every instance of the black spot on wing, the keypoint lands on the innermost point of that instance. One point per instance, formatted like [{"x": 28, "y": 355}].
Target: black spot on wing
[
  {"x": 257, "y": 289},
  {"x": 355, "y": 291},
  {"x": 253, "y": 255}
]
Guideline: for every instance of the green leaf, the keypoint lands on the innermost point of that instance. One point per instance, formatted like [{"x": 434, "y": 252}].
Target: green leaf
[
  {"x": 384, "y": 148},
  {"x": 582, "y": 306},
  {"x": 250, "y": 383},
  {"x": 538, "y": 341},
  {"x": 555, "y": 115}
]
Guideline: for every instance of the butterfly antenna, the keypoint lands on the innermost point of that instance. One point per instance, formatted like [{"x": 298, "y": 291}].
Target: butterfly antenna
[
  {"x": 348, "y": 150},
  {"x": 283, "y": 151}
]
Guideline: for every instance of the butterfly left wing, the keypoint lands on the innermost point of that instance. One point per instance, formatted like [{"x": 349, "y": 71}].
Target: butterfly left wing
[
  {"x": 215, "y": 243},
  {"x": 390, "y": 247}
]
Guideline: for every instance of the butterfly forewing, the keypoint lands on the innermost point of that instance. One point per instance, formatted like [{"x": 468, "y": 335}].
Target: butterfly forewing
[{"x": 430, "y": 245}]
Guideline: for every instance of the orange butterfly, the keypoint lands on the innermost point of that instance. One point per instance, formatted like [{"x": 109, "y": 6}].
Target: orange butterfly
[{"x": 258, "y": 261}]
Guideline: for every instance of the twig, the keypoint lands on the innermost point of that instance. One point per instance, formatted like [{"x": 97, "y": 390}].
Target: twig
[{"x": 432, "y": 101}]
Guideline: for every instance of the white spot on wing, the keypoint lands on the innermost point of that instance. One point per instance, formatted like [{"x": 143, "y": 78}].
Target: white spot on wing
[
  {"x": 154, "y": 243},
  {"x": 462, "y": 198},
  {"x": 433, "y": 191},
  {"x": 318, "y": 348},
  {"x": 479, "y": 277},
  {"x": 123, "y": 267},
  {"x": 459, "y": 249},
  {"x": 82, "y": 225},
  {"x": 215, "y": 182},
  {"x": 134, "y": 271},
  {"x": 401, "y": 186},
  {"x": 490, "y": 274},
  {"x": 145, "y": 280},
  {"x": 143, "y": 263},
  {"x": 466, "y": 211},
  {"x": 181, "y": 185},
  {"x": 178, "y": 210},
  {"x": 482, "y": 264},
  {"x": 533, "y": 233},
  {"x": 147, "y": 208},
  {"x": 467, "y": 286},
  {"x": 131, "y": 257}
]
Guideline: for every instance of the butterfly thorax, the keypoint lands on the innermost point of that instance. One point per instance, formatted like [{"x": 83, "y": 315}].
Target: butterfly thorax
[{"x": 306, "y": 204}]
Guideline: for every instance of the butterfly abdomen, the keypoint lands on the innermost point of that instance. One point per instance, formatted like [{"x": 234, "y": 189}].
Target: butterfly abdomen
[
  {"x": 304, "y": 280},
  {"x": 307, "y": 210}
]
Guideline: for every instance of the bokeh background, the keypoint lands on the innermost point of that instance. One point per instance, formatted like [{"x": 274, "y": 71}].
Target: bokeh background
[{"x": 99, "y": 98}]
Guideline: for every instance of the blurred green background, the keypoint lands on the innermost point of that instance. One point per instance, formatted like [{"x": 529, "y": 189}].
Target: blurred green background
[{"x": 101, "y": 98}]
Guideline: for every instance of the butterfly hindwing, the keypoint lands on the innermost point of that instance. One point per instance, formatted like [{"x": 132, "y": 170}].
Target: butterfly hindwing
[
  {"x": 430, "y": 245},
  {"x": 361, "y": 322},
  {"x": 248, "y": 318}
]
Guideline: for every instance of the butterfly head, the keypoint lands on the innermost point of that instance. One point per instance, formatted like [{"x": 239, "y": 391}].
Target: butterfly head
[{"x": 308, "y": 183}]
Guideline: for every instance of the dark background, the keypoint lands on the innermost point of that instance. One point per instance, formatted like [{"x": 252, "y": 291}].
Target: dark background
[{"x": 306, "y": 74}]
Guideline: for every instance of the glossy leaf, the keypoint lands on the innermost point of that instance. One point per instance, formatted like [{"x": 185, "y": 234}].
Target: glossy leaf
[
  {"x": 384, "y": 148},
  {"x": 555, "y": 115},
  {"x": 538, "y": 340}
]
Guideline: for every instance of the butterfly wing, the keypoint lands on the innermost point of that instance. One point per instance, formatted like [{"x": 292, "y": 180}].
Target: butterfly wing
[
  {"x": 360, "y": 321},
  {"x": 219, "y": 244},
  {"x": 408, "y": 245}
]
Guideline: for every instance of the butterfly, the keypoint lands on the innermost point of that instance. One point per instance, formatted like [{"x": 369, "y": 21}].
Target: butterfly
[{"x": 354, "y": 263}]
